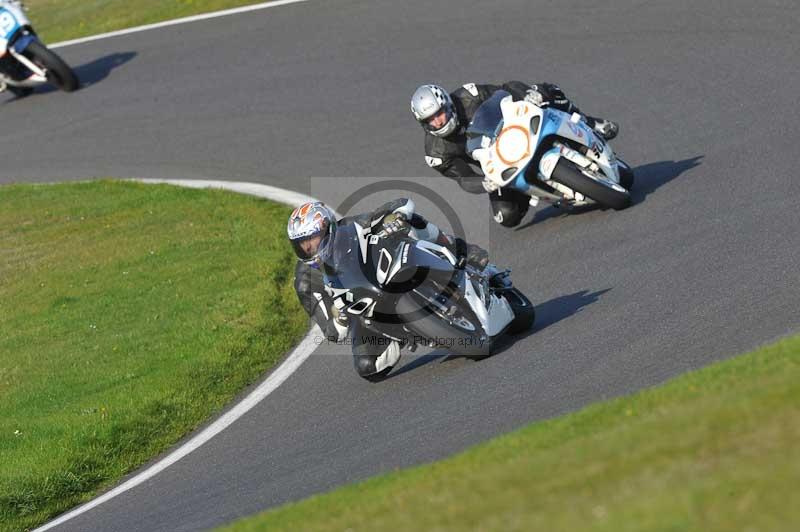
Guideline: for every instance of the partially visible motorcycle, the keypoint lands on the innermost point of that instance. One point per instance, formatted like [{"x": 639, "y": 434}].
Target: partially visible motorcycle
[
  {"x": 546, "y": 154},
  {"x": 419, "y": 293},
  {"x": 25, "y": 62}
]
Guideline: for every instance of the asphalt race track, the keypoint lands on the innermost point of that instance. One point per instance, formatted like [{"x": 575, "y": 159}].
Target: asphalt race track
[{"x": 703, "y": 266}]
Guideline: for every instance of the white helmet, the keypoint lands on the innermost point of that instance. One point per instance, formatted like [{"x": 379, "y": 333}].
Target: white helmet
[
  {"x": 310, "y": 221},
  {"x": 427, "y": 102}
]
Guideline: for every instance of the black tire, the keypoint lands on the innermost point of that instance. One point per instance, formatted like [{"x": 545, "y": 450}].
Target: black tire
[
  {"x": 626, "y": 177},
  {"x": 510, "y": 208},
  {"x": 378, "y": 377},
  {"x": 569, "y": 175},
  {"x": 58, "y": 72},
  {"x": 437, "y": 330},
  {"x": 524, "y": 314},
  {"x": 512, "y": 220}
]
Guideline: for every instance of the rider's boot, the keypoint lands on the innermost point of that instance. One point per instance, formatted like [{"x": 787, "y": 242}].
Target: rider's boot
[{"x": 605, "y": 128}]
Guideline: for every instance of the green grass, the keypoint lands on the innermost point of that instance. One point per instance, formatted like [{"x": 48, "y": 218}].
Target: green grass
[
  {"x": 716, "y": 449},
  {"x": 129, "y": 313},
  {"x": 58, "y": 20}
]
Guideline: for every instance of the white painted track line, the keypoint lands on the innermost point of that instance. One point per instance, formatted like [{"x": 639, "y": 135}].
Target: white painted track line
[
  {"x": 177, "y": 21},
  {"x": 269, "y": 385},
  {"x": 295, "y": 358},
  {"x": 279, "y": 195}
]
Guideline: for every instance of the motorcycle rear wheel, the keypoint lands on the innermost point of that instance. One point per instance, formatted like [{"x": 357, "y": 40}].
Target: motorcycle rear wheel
[
  {"x": 568, "y": 174},
  {"x": 58, "y": 72}
]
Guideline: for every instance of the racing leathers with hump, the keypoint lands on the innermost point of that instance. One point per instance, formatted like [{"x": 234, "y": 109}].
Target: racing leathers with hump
[
  {"x": 445, "y": 117},
  {"x": 311, "y": 230}
]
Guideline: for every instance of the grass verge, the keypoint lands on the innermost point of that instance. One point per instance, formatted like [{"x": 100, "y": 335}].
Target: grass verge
[
  {"x": 129, "y": 313},
  {"x": 715, "y": 449},
  {"x": 59, "y": 20}
]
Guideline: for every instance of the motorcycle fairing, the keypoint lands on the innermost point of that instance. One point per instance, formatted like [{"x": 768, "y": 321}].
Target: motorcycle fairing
[
  {"x": 493, "y": 312},
  {"x": 23, "y": 42},
  {"x": 11, "y": 20},
  {"x": 520, "y": 128},
  {"x": 367, "y": 276}
]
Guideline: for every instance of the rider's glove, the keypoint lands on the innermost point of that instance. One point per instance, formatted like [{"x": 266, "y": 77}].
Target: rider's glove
[
  {"x": 341, "y": 322},
  {"x": 395, "y": 224},
  {"x": 535, "y": 97},
  {"x": 477, "y": 257},
  {"x": 340, "y": 317},
  {"x": 489, "y": 186},
  {"x": 546, "y": 94}
]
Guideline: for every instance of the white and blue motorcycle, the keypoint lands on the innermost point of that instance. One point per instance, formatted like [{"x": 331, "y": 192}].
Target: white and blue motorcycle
[
  {"x": 546, "y": 154},
  {"x": 25, "y": 62}
]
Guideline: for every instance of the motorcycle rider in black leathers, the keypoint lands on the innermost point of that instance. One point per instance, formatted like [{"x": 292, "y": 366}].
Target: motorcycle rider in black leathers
[
  {"x": 445, "y": 118},
  {"x": 312, "y": 229}
]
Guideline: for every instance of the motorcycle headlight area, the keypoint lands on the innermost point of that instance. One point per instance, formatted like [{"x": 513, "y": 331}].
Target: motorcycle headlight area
[{"x": 513, "y": 144}]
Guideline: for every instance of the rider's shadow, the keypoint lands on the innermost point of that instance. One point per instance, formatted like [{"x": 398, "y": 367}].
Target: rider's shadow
[
  {"x": 94, "y": 71},
  {"x": 548, "y": 313},
  {"x": 649, "y": 177}
]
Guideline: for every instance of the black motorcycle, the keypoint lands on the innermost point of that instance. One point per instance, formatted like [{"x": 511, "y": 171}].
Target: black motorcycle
[{"x": 419, "y": 293}]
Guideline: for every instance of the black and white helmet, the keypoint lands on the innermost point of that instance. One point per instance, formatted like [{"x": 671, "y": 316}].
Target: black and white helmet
[{"x": 427, "y": 102}]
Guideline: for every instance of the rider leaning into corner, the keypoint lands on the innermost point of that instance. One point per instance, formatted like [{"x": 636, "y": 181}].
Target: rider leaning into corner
[
  {"x": 445, "y": 118},
  {"x": 312, "y": 230}
]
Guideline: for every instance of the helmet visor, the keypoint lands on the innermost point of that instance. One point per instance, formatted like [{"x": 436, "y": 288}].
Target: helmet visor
[
  {"x": 437, "y": 120},
  {"x": 307, "y": 248},
  {"x": 441, "y": 123}
]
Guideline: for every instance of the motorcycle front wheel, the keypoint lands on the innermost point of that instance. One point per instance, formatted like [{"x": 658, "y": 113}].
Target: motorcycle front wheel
[
  {"x": 459, "y": 332},
  {"x": 524, "y": 315},
  {"x": 57, "y": 71},
  {"x": 569, "y": 175},
  {"x": 626, "y": 177}
]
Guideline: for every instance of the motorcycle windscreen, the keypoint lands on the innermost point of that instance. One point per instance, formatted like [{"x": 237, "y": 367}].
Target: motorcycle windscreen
[{"x": 486, "y": 123}]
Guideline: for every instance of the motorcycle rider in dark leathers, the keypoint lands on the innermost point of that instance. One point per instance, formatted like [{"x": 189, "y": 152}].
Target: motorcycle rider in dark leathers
[
  {"x": 445, "y": 118},
  {"x": 312, "y": 230}
]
